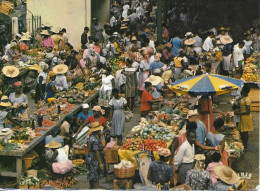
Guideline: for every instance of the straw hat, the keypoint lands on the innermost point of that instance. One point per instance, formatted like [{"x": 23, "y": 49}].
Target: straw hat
[
  {"x": 53, "y": 145},
  {"x": 218, "y": 42},
  {"x": 155, "y": 80},
  {"x": 5, "y": 101},
  {"x": 134, "y": 38},
  {"x": 24, "y": 38},
  {"x": 189, "y": 41},
  {"x": 10, "y": 71},
  {"x": 192, "y": 113},
  {"x": 57, "y": 30},
  {"x": 60, "y": 69},
  {"x": 35, "y": 67},
  {"x": 200, "y": 157},
  {"x": 26, "y": 34},
  {"x": 226, "y": 174},
  {"x": 95, "y": 127},
  {"x": 45, "y": 32},
  {"x": 188, "y": 34},
  {"x": 226, "y": 40}
]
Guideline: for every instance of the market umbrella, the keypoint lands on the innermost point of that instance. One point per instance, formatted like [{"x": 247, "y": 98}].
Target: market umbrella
[{"x": 205, "y": 85}]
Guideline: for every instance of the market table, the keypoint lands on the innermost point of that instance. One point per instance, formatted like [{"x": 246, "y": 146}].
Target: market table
[{"x": 19, "y": 154}]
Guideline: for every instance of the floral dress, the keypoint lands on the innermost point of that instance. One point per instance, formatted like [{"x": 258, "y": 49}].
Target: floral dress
[{"x": 93, "y": 170}]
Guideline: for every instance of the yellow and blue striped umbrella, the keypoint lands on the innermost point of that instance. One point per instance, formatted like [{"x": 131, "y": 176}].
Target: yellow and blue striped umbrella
[{"x": 206, "y": 84}]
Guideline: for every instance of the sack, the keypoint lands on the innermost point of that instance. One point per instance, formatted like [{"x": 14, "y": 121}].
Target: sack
[
  {"x": 236, "y": 104},
  {"x": 203, "y": 105}
]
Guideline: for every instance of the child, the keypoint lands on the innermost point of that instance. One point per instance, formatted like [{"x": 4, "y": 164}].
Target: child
[{"x": 215, "y": 161}]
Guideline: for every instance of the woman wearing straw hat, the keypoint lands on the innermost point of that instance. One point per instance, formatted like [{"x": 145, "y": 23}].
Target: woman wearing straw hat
[
  {"x": 57, "y": 160},
  {"x": 56, "y": 38},
  {"x": 23, "y": 45},
  {"x": 47, "y": 40},
  {"x": 41, "y": 82},
  {"x": 4, "y": 103},
  {"x": 190, "y": 53},
  {"x": 95, "y": 160},
  {"x": 12, "y": 53},
  {"x": 10, "y": 74},
  {"x": 226, "y": 53},
  {"x": 61, "y": 80},
  {"x": 50, "y": 88},
  {"x": 227, "y": 178}
]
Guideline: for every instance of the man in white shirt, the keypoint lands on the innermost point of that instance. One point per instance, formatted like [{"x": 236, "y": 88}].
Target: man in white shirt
[
  {"x": 238, "y": 57},
  {"x": 184, "y": 159},
  {"x": 208, "y": 45}
]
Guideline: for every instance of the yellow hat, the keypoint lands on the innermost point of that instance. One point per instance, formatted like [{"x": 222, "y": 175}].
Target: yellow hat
[
  {"x": 95, "y": 127},
  {"x": 5, "y": 101},
  {"x": 35, "y": 67},
  {"x": 60, "y": 69},
  {"x": 189, "y": 41},
  {"x": 10, "y": 71},
  {"x": 155, "y": 80},
  {"x": 53, "y": 145}
]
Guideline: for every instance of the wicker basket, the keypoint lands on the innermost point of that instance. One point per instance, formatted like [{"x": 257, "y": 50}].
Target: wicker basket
[
  {"x": 32, "y": 173},
  {"x": 111, "y": 155},
  {"x": 78, "y": 162},
  {"x": 23, "y": 187},
  {"x": 37, "y": 186},
  {"x": 124, "y": 172},
  {"x": 28, "y": 160}
]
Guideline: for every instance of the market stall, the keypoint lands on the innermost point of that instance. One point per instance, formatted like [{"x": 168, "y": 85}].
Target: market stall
[{"x": 18, "y": 149}]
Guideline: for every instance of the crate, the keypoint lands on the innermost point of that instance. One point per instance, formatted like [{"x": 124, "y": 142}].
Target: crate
[
  {"x": 254, "y": 95},
  {"x": 124, "y": 173},
  {"x": 123, "y": 184},
  {"x": 111, "y": 155}
]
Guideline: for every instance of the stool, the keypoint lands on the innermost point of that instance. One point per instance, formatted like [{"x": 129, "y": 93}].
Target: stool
[{"x": 125, "y": 183}]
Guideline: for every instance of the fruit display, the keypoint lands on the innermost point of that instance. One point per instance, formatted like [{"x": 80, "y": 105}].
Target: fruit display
[
  {"x": 61, "y": 183},
  {"x": 10, "y": 146},
  {"x": 234, "y": 147},
  {"x": 157, "y": 133},
  {"x": 23, "y": 134},
  {"x": 47, "y": 123},
  {"x": 143, "y": 144},
  {"x": 251, "y": 73}
]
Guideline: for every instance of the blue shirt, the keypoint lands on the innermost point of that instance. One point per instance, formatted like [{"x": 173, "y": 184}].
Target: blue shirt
[
  {"x": 201, "y": 132},
  {"x": 83, "y": 117},
  {"x": 156, "y": 65},
  {"x": 176, "y": 45}
]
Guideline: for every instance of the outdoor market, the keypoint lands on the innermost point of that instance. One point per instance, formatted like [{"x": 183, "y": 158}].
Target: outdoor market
[{"x": 153, "y": 97}]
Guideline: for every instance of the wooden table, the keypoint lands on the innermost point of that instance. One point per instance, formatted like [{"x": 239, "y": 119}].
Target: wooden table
[{"x": 19, "y": 154}]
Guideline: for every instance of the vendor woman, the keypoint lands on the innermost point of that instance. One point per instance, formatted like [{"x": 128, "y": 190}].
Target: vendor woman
[
  {"x": 10, "y": 77},
  {"x": 18, "y": 99},
  {"x": 41, "y": 82},
  {"x": 50, "y": 88},
  {"x": 4, "y": 103},
  {"x": 60, "y": 80}
]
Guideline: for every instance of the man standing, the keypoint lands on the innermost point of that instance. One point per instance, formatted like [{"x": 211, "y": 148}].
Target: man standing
[
  {"x": 84, "y": 38},
  {"x": 201, "y": 130},
  {"x": 208, "y": 45},
  {"x": 238, "y": 57},
  {"x": 184, "y": 159},
  {"x": 176, "y": 44}
]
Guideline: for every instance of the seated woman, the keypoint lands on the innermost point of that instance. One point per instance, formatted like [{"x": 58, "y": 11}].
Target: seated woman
[
  {"x": 56, "y": 159},
  {"x": 160, "y": 172},
  {"x": 227, "y": 178},
  {"x": 215, "y": 156},
  {"x": 215, "y": 138},
  {"x": 4, "y": 103},
  {"x": 60, "y": 81},
  {"x": 66, "y": 130},
  {"x": 83, "y": 115},
  {"x": 18, "y": 99},
  {"x": 54, "y": 136},
  {"x": 95, "y": 159},
  {"x": 50, "y": 87}
]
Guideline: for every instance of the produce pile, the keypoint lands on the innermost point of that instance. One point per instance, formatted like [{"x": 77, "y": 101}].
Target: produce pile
[
  {"x": 22, "y": 135},
  {"x": 234, "y": 147},
  {"x": 61, "y": 183},
  {"x": 10, "y": 146},
  {"x": 116, "y": 63},
  {"x": 251, "y": 73},
  {"x": 123, "y": 164},
  {"x": 135, "y": 144}
]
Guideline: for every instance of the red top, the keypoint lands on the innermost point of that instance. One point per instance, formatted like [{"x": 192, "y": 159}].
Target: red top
[
  {"x": 102, "y": 121},
  {"x": 146, "y": 97},
  {"x": 24, "y": 47}
]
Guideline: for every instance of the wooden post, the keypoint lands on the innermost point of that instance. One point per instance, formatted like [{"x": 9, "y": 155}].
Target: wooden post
[
  {"x": 159, "y": 20},
  {"x": 19, "y": 167}
]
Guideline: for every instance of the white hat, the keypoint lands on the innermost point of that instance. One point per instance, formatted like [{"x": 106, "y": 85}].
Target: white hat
[
  {"x": 85, "y": 106},
  {"x": 192, "y": 113},
  {"x": 18, "y": 35}
]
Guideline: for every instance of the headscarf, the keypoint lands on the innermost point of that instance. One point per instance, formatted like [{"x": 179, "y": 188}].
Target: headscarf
[
  {"x": 98, "y": 108},
  {"x": 18, "y": 83}
]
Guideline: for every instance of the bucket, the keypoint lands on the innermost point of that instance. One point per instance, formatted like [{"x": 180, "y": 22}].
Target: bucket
[
  {"x": 32, "y": 173},
  {"x": 28, "y": 160}
]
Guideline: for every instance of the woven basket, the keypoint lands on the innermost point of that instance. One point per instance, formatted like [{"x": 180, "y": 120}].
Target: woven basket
[
  {"x": 37, "y": 186},
  {"x": 111, "y": 155},
  {"x": 32, "y": 173},
  {"x": 78, "y": 162},
  {"x": 23, "y": 187},
  {"x": 28, "y": 160},
  {"x": 124, "y": 172}
]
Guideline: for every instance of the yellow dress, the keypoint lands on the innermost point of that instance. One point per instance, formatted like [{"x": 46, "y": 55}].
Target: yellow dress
[
  {"x": 246, "y": 121},
  {"x": 56, "y": 39}
]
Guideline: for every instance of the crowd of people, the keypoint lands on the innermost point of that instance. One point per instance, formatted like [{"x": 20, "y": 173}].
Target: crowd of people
[{"x": 149, "y": 67}]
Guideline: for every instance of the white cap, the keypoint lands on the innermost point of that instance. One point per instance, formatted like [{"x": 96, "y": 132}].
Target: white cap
[
  {"x": 18, "y": 35},
  {"x": 85, "y": 106}
]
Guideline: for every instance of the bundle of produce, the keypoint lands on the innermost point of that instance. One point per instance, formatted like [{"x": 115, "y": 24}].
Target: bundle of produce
[
  {"x": 116, "y": 63},
  {"x": 24, "y": 134},
  {"x": 124, "y": 164},
  {"x": 250, "y": 73},
  {"x": 10, "y": 146},
  {"x": 61, "y": 183},
  {"x": 234, "y": 147}
]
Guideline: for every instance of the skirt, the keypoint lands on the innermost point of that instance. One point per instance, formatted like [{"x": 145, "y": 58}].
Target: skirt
[
  {"x": 183, "y": 170},
  {"x": 227, "y": 63},
  {"x": 62, "y": 167}
]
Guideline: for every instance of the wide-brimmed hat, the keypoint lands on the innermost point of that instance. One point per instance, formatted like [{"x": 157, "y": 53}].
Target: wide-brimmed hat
[
  {"x": 188, "y": 34},
  {"x": 10, "y": 71},
  {"x": 53, "y": 145},
  {"x": 155, "y": 80},
  {"x": 226, "y": 174},
  {"x": 123, "y": 26},
  {"x": 35, "y": 67},
  {"x": 200, "y": 157},
  {"x": 24, "y": 38},
  {"x": 134, "y": 38},
  {"x": 189, "y": 41},
  {"x": 60, "y": 69},
  {"x": 57, "y": 30},
  {"x": 226, "y": 40},
  {"x": 45, "y": 32},
  {"x": 95, "y": 127},
  {"x": 26, "y": 34},
  {"x": 5, "y": 101},
  {"x": 192, "y": 113}
]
